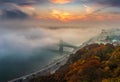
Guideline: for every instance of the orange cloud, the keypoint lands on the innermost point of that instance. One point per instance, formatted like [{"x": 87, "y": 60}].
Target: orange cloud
[
  {"x": 28, "y": 7},
  {"x": 64, "y": 16},
  {"x": 61, "y": 1},
  {"x": 60, "y": 15}
]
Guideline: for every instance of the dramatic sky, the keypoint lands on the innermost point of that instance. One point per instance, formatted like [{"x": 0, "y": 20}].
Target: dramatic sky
[
  {"x": 61, "y": 10},
  {"x": 29, "y": 27}
]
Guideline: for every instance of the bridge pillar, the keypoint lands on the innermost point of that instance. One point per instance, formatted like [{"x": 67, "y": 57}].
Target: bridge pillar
[{"x": 61, "y": 49}]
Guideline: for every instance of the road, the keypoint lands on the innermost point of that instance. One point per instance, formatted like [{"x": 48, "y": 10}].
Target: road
[{"x": 51, "y": 68}]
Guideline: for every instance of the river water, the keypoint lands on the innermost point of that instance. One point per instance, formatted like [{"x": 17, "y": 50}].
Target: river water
[{"x": 26, "y": 50}]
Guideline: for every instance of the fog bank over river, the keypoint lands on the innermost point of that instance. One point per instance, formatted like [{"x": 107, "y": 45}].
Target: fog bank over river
[{"x": 24, "y": 48}]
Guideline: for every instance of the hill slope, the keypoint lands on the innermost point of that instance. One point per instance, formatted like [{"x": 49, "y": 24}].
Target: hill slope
[{"x": 92, "y": 63}]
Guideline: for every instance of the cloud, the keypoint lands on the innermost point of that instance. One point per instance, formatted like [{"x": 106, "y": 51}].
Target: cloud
[
  {"x": 18, "y": 8},
  {"x": 23, "y": 2},
  {"x": 18, "y": 2},
  {"x": 114, "y": 3},
  {"x": 88, "y": 9},
  {"x": 26, "y": 41},
  {"x": 23, "y": 41},
  {"x": 61, "y": 15},
  {"x": 12, "y": 11},
  {"x": 31, "y": 2},
  {"x": 13, "y": 14},
  {"x": 61, "y": 1}
]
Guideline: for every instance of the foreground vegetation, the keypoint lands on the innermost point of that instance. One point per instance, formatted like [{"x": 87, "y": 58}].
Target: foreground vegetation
[{"x": 93, "y": 63}]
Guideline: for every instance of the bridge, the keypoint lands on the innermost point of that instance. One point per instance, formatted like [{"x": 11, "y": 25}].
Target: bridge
[
  {"x": 62, "y": 45},
  {"x": 50, "y": 67}
]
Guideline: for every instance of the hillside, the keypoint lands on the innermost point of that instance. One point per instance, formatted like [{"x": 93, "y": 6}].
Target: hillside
[{"x": 92, "y": 63}]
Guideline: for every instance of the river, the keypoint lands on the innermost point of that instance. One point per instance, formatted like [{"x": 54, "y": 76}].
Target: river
[{"x": 26, "y": 50}]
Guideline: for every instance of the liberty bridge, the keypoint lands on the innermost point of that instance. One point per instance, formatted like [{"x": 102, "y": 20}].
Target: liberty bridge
[
  {"x": 50, "y": 67},
  {"x": 62, "y": 46}
]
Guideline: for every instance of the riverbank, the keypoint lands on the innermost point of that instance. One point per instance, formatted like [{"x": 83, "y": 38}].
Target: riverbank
[
  {"x": 48, "y": 69},
  {"x": 92, "y": 63}
]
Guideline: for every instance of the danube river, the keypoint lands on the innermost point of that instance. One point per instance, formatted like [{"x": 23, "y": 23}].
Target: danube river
[{"x": 26, "y": 50}]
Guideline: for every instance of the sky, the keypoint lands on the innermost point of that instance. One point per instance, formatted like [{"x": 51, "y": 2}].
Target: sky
[{"x": 61, "y": 10}]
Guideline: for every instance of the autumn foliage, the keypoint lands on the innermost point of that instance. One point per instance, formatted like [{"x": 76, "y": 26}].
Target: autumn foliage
[{"x": 92, "y": 63}]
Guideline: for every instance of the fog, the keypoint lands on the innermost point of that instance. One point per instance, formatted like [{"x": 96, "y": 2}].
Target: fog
[{"x": 23, "y": 45}]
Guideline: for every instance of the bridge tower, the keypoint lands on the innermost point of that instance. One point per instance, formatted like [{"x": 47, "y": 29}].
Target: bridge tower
[
  {"x": 63, "y": 44},
  {"x": 61, "y": 47},
  {"x": 104, "y": 35}
]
